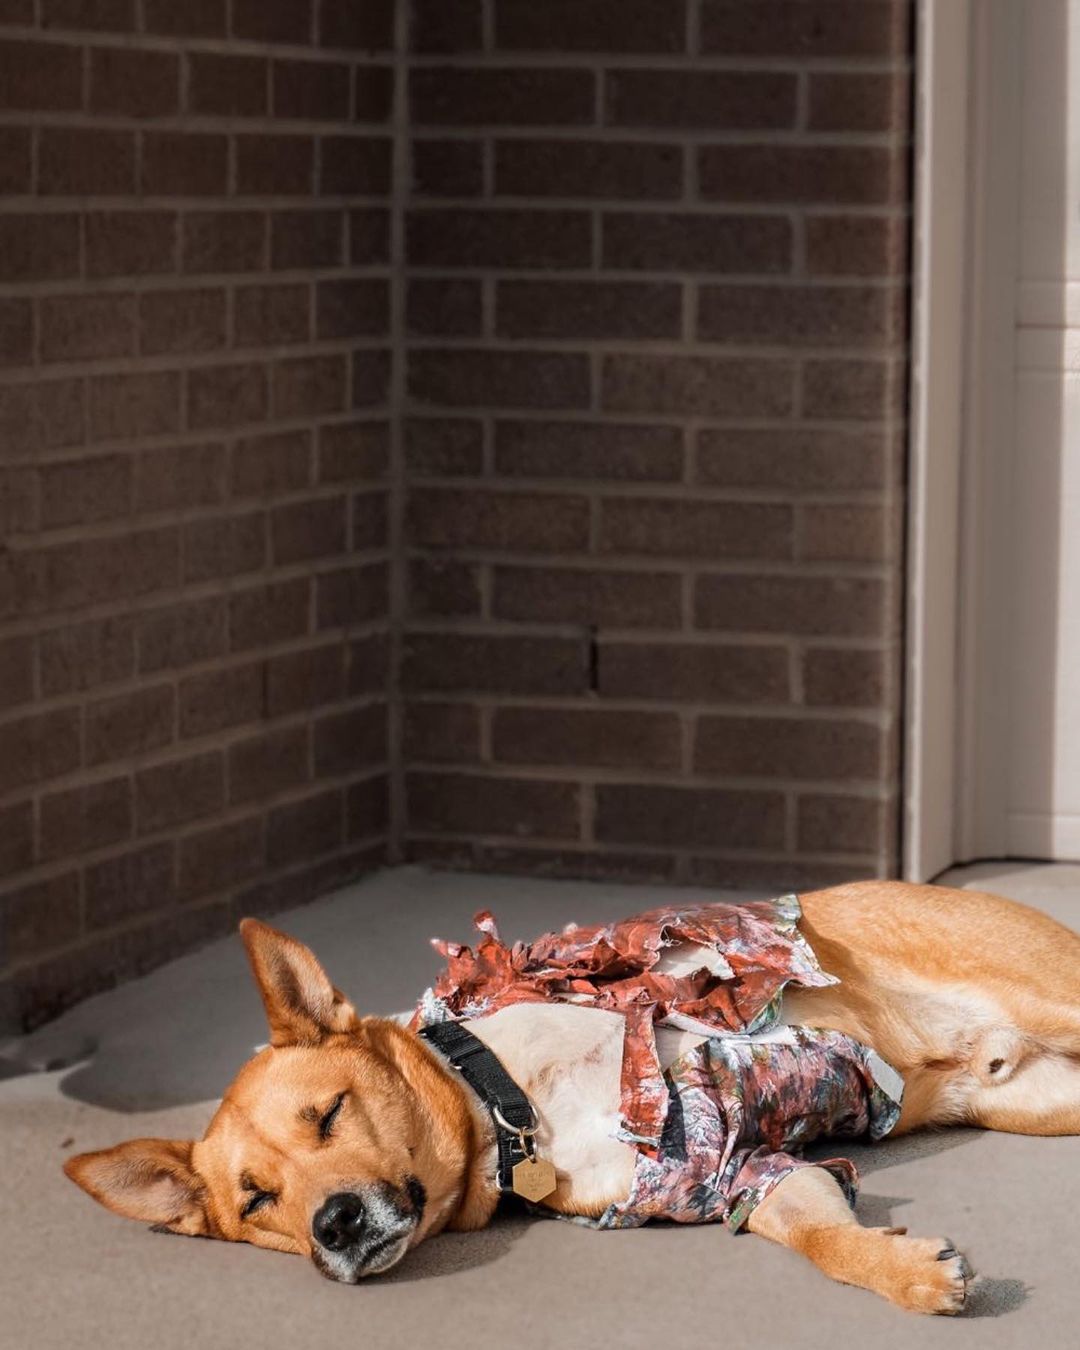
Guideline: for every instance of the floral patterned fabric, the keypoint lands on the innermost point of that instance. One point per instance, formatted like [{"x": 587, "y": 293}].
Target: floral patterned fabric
[{"x": 724, "y": 1123}]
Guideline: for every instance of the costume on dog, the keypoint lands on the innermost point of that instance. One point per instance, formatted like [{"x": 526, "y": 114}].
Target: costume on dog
[{"x": 722, "y": 1125}]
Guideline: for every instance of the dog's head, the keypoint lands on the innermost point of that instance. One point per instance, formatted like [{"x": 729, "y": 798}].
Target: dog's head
[{"x": 344, "y": 1139}]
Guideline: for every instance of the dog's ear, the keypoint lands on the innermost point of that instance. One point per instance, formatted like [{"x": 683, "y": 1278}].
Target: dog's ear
[
  {"x": 302, "y": 1006},
  {"x": 147, "y": 1179}
]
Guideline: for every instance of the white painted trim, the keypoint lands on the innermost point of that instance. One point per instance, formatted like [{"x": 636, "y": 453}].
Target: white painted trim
[{"x": 940, "y": 236}]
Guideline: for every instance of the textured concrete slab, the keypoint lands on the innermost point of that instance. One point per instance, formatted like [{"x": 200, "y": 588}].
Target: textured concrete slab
[{"x": 149, "y": 1058}]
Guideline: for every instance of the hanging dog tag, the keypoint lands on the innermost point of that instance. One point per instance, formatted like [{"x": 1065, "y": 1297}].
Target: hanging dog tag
[{"x": 533, "y": 1178}]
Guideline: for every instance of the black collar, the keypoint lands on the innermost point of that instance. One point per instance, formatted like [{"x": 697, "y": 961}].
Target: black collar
[{"x": 511, "y": 1111}]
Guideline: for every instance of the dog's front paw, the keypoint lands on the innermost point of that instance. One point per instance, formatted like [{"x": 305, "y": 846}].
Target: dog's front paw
[{"x": 928, "y": 1275}]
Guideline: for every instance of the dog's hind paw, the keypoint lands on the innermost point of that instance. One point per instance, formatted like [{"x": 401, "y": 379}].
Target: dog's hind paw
[{"x": 929, "y": 1275}]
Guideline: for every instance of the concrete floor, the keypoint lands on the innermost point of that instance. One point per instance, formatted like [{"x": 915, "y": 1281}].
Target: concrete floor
[{"x": 149, "y": 1058}]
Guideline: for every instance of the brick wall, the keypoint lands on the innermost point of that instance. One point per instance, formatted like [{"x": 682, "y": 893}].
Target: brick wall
[
  {"x": 657, "y": 263},
  {"x": 194, "y": 438}
]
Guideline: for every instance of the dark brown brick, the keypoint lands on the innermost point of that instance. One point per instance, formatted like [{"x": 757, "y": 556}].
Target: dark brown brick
[
  {"x": 87, "y": 571},
  {"x": 496, "y": 664},
  {"x": 792, "y": 461},
  {"x": 447, "y": 168},
  {"x": 16, "y": 838},
  {"x": 352, "y": 308},
  {"x": 704, "y": 385},
  {"x": 133, "y": 883},
  {"x": 40, "y": 916},
  {"x": 305, "y": 679},
  {"x": 227, "y": 85},
  {"x": 123, "y": 407},
  {"x": 617, "y": 740},
  {"x": 224, "y": 396},
  {"x": 447, "y": 96},
  {"x": 304, "y": 829},
  {"x": 275, "y": 166},
  {"x": 306, "y": 239},
  {"x": 271, "y": 465},
  {"x": 271, "y": 316},
  {"x": 266, "y": 764},
  {"x": 369, "y": 520},
  {"x": 715, "y": 100},
  {"x": 441, "y": 733},
  {"x": 696, "y": 243},
  {"x": 38, "y": 247},
  {"x": 180, "y": 477},
  {"x": 815, "y": 606},
  {"x": 353, "y": 450},
  {"x": 38, "y": 746},
  {"x": 224, "y": 241},
  {"x": 588, "y": 450},
  {"x": 84, "y": 655},
  {"x": 220, "y": 856},
  {"x": 857, "y": 245},
  {"x": 268, "y": 614},
  {"x": 859, "y": 101},
  {"x": 815, "y": 316},
  {"x": 369, "y": 237},
  {"x": 367, "y": 27},
  {"x": 351, "y": 595},
  {"x": 437, "y": 27},
  {"x": 184, "y": 164},
  {"x": 572, "y": 595},
  {"x": 18, "y": 502},
  {"x": 180, "y": 635},
  {"x": 344, "y": 741},
  {"x": 502, "y": 379},
  {"x": 17, "y": 12},
  {"x": 858, "y": 390},
  {"x": 176, "y": 322},
  {"x": 84, "y": 818},
  {"x": 367, "y": 808},
  {"x": 878, "y": 28},
  {"x": 844, "y": 532},
  {"x": 309, "y": 529},
  {"x": 16, "y": 332},
  {"x": 306, "y": 386},
  {"x": 194, "y": 18},
  {"x": 16, "y": 671},
  {"x": 40, "y": 76},
  {"x": 85, "y": 490},
  {"x": 311, "y": 91},
  {"x": 130, "y": 243},
  {"x": 94, "y": 15},
  {"x": 632, "y": 170},
  {"x": 368, "y": 665},
  {"x": 16, "y": 162},
  {"x": 693, "y": 673},
  {"x": 677, "y": 817},
  {"x": 130, "y": 724},
  {"x": 224, "y": 546},
  {"x": 629, "y": 310},
  {"x": 451, "y": 803},
  {"x": 354, "y": 166},
  {"x": 447, "y": 518},
  {"x": 171, "y": 794},
  {"x": 445, "y": 307},
  {"x": 835, "y": 824},
  {"x": 671, "y": 527},
  {"x": 222, "y": 698},
  {"x": 130, "y": 82},
  {"x": 443, "y": 446},
  {"x": 646, "y": 26},
  {"x": 272, "y": 21},
  {"x": 787, "y": 747},
  {"x": 439, "y": 586},
  {"x": 373, "y": 93},
  {"x": 829, "y": 174},
  {"x": 42, "y": 416},
  {"x": 542, "y": 239},
  {"x": 843, "y": 677}
]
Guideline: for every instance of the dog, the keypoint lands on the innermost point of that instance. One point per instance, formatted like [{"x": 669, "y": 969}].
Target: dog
[{"x": 350, "y": 1139}]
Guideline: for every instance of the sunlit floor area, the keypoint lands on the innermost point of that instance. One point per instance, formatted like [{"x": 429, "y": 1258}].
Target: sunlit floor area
[{"x": 150, "y": 1058}]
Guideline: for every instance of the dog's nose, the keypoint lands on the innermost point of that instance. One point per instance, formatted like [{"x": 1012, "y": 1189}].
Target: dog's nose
[{"x": 339, "y": 1222}]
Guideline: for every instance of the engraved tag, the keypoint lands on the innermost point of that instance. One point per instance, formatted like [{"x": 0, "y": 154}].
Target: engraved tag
[{"x": 533, "y": 1178}]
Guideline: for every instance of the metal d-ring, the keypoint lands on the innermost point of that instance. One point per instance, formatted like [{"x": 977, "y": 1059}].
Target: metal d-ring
[{"x": 523, "y": 1132}]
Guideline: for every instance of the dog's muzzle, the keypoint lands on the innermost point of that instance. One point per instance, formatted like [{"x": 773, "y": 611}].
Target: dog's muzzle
[{"x": 365, "y": 1230}]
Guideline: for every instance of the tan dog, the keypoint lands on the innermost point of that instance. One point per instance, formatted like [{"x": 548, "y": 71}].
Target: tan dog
[{"x": 349, "y": 1140}]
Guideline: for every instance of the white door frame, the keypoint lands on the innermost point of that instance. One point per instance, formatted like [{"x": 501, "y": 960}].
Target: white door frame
[{"x": 968, "y": 71}]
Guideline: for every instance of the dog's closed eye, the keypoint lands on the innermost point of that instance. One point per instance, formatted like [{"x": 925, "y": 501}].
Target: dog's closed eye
[
  {"x": 258, "y": 1201},
  {"x": 327, "y": 1119}
]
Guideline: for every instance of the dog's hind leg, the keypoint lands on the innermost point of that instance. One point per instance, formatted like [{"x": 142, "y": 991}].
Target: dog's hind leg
[
  {"x": 1041, "y": 1097},
  {"x": 808, "y": 1212}
]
